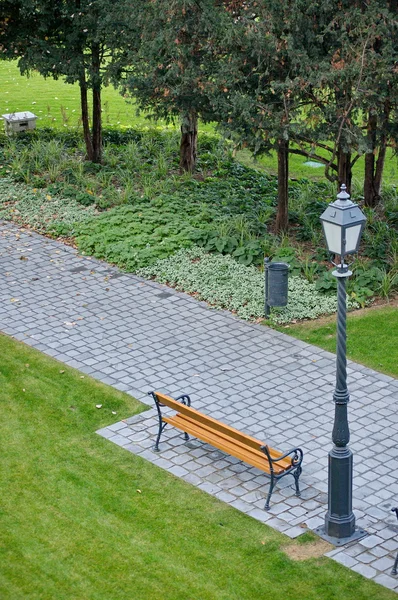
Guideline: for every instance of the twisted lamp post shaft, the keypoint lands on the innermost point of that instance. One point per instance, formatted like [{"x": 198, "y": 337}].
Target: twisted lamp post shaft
[
  {"x": 340, "y": 520},
  {"x": 341, "y": 433}
]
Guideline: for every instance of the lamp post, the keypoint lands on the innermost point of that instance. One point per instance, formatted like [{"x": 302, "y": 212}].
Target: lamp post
[{"x": 343, "y": 223}]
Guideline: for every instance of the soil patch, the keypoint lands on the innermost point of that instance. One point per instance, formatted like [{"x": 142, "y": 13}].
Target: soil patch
[{"x": 309, "y": 550}]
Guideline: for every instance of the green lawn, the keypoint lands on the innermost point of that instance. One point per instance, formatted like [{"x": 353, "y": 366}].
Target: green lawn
[
  {"x": 57, "y": 104},
  {"x": 371, "y": 337},
  {"x": 82, "y": 518},
  {"x": 299, "y": 168}
]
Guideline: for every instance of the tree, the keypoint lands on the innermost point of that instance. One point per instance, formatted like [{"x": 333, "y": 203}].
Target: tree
[
  {"x": 262, "y": 105},
  {"x": 173, "y": 74},
  {"x": 351, "y": 89},
  {"x": 69, "y": 39}
]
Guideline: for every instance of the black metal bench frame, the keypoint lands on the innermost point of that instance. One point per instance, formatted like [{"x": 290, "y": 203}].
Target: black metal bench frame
[
  {"x": 295, "y": 454},
  {"x": 394, "y": 569}
]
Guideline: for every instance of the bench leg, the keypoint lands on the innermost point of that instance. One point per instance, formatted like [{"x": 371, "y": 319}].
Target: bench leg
[
  {"x": 156, "y": 446},
  {"x": 186, "y": 436},
  {"x": 161, "y": 428},
  {"x": 271, "y": 489},
  {"x": 296, "y": 476},
  {"x": 394, "y": 569}
]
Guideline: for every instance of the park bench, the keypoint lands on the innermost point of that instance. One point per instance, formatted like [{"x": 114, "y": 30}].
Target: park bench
[{"x": 229, "y": 440}]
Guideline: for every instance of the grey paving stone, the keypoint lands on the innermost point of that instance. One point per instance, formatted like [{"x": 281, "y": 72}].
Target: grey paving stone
[
  {"x": 371, "y": 541},
  {"x": 387, "y": 581},
  {"x": 365, "y": 557},
  {"x": 365, "y": 570},
  {"x": 383, "y": 564},
  {"x": 345, "y": 559},
  {"x": 259, "y": 515}
]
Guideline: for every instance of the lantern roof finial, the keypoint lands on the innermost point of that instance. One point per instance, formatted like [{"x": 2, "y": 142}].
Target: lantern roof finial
[{"x": 343, "y": 194}]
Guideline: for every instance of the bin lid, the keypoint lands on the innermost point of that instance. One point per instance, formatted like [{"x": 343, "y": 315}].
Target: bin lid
[
  {"x": 19, "y": 116},
  {"x": 278, "y": 266}
]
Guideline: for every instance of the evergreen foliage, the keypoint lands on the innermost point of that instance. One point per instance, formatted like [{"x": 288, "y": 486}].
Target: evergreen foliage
[{"x": 173, "y": 74}]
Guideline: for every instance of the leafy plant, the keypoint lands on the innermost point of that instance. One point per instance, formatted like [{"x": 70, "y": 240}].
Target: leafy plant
[
  {"x": 388, "y": 283},
  {"x": 310, "y": 269}
]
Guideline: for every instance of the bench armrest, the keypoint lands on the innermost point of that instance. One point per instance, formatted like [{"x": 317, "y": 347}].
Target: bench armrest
[
  {"x": 296, "y": 459},
  {"x": 184, "y": 399}
]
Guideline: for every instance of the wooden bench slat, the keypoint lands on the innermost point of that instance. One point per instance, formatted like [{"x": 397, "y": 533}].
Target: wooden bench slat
[
  {"x": 257, "y": 453},
  {"x": 229, "y": 440},
  {"x": 222, "y": 443},
  {"x": 213, "y": 423}
]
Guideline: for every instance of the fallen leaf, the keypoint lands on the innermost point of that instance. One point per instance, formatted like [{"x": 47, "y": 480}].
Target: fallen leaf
[
  {"x": 23, "y": 258},
  {"x": 14, "y": 300},
  {"x": 98, "y": 406},
  {"x": 139, "y": 491},
  {"x": 114, "y": 412},
  {"x": 81, "y": 376},
  {"x": 62, "y": 371}
]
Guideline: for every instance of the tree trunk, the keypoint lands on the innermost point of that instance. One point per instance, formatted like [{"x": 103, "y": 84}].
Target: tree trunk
[
  {"x": 344, "y": 169},
  {"x": 374, "y": 168},
  {"x": 85, "y": 117},
  {"x": 189, "y": 142},
  {"x": 282, "y": 216},
  {"x": 97, "y": 116}
]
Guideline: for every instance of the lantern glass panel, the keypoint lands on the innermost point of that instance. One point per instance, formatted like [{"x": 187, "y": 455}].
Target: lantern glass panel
[
  {"x": 352, "y": 236},
  {"x": 333, "y": 237}
]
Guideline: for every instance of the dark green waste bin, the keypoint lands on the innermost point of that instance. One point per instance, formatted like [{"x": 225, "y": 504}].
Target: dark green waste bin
[{"x": 276, "y": 284}]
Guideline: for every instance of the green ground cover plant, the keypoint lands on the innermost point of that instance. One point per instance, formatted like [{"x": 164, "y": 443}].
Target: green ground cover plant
[
  {"x": 371, "y": 337},
  {"x": 40, "y": 210},
  {"x": 83, "y": 518},
  {"x": 224, "y": 283}
]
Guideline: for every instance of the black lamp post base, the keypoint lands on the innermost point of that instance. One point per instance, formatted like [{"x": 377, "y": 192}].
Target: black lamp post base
[{"x": 341, "y": 541}]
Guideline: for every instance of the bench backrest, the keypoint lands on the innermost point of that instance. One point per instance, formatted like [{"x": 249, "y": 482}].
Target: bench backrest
[{"x": 212, "y": 423}]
